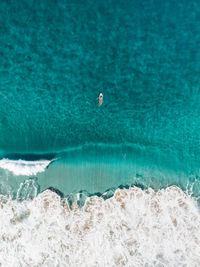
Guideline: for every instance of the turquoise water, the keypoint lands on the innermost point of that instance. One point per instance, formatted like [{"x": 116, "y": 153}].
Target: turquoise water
[
  {"x": 57, "y": 56},
  {"x": 89, "y": 185}
]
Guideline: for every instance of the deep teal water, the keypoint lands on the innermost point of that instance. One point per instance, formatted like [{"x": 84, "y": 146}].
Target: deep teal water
[{"x": 57, "y": 56}]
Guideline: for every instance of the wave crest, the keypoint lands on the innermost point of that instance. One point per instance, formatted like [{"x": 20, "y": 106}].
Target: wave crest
[{"x": 23, "y": 167}]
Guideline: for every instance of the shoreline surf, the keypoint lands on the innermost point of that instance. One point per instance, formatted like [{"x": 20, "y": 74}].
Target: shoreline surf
[{"x": 134, "y": 227}]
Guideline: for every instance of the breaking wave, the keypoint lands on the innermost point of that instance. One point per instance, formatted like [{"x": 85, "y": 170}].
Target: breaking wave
[
  {"x": 135, "y": 227},
  {"x": 24, "y": 167}
]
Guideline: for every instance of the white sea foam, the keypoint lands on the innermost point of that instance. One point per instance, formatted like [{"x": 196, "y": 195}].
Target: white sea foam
[
  {"x": 133, "y": 228},
  {"x": 24, "y": 167}
]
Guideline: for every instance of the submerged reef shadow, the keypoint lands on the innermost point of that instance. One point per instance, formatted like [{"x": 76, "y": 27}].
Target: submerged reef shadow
[
  {"x": 80, "y": 197},
  {"x": 57, "y": 191}
]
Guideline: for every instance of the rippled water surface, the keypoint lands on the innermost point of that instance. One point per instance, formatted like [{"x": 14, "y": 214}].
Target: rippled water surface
[{"x": 57, "y": 56}]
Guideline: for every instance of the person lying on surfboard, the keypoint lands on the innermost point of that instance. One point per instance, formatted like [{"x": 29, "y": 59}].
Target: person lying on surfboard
[{"x": 100, "y": 97}]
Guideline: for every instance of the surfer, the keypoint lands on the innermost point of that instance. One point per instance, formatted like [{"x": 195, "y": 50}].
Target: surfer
[{"x": 100, "y": 97}]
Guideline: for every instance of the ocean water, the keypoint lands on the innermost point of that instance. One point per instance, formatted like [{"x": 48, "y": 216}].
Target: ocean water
[{"x": 115, "y": 185}]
